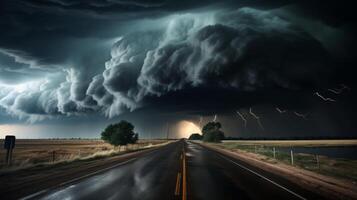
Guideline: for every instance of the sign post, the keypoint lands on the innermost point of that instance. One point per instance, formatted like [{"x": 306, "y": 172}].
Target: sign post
[{"x": 9, "y": 145}]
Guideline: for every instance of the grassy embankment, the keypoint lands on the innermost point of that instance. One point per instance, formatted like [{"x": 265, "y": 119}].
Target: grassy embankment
[
  {"x": 335, "y": 167},
  {"x": 30, "y": 152}
]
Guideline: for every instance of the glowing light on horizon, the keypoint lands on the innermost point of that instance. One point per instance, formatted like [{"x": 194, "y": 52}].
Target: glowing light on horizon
[
  {"x": 186, "y": 128},
  {"x": 20, "y": 131}
]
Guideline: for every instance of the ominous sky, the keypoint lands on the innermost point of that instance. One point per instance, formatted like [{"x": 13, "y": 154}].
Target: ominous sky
[{"x": 68, "y": 68}]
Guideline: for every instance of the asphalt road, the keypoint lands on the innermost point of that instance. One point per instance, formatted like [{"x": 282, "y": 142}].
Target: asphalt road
[{"x": 180, "y": 170}]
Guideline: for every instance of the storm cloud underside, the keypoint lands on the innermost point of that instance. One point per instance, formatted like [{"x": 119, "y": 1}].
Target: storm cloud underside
[{"x": 234, "y": 56}]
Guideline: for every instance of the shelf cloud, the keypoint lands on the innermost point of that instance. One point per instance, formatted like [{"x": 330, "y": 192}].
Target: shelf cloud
[{"x": 62, "y": 58}]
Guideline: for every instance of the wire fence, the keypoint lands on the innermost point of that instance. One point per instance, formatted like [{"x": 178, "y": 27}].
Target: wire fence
[
  {"x": 337, "y": 167},
  {"x": 29, "y": 154}
]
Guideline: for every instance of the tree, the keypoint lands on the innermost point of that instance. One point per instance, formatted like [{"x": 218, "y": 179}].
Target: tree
[
  {"x": 121, "y": 133},
  {"x": 212, "y": 133},
  {"x": 195, "y": 136}
]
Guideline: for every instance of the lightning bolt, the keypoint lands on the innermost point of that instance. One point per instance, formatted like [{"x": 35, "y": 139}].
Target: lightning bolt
[
  {"x": 339, "y": 90},
  {"x": 280, "y": 111},
  {"x": 242, "y": 117},
  {"x": 200, "y": 122},
  {"x": 304, "y": 116},
  {"x": 257, "y": 118},
  {"x": 336, "y": 91},
  {"x": 215, "y": 118},
  {"x": 324, "y": 98},
  {"x": 345, "y": 87}
]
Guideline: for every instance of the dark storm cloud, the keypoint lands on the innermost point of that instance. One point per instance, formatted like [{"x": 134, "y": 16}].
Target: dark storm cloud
[
  {"x": 214, "y": 53},
  {"x": 65, "y": 58},
  {"x": 242, "y": 50}
]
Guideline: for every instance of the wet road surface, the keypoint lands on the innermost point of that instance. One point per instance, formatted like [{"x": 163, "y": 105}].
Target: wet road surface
[{"x": 181, "y": 170}]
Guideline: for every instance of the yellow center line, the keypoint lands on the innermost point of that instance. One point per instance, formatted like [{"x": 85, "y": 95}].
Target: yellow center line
[
  {"x": 184, "y": 193},
  {"x": 178, "y": 183}
]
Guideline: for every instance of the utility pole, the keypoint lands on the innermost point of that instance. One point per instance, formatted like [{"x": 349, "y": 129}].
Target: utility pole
[{"x": 167, "y": 131}]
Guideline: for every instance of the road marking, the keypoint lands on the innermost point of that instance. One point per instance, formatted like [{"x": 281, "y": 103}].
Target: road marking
[
  {"x": 265, "y": 178},
  {"x": 178, "y": 183},
  {"x": 184, "y": 193},
  {"x": 34, "y": 194}
]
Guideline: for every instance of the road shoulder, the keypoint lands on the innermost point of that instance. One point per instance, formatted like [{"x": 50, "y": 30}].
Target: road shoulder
[
  {"x": 28, "y": 181},
  {"x": 323, "y": 185}
]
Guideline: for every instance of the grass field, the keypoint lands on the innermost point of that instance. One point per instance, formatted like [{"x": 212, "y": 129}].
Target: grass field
[
  {"x": 335, "y": 167},
  {"x": 288, "y": 143},
  {"x": 34, "y": 151}
]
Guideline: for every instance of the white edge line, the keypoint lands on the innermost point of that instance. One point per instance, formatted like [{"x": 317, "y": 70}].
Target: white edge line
[
  {"x": 34, "y": 194},
  {"x": 263, "y": 177},
  {"x": 76, "y": 179},
  {"x": 82, "y": 177}
]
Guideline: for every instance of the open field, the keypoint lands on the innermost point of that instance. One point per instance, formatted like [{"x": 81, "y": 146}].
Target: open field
[
  {"x": 34, "y": 151},
  {"x": 288, "y": 143},
  {"x": 335, "y": 167}
]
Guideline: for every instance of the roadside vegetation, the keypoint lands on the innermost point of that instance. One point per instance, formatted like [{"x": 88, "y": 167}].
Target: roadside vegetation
[
  {"x": 269, "y": 151},
  {"x": 119, "y": 134},
  {"x": 210, "y": 133},
  {"x": 34, "y": 152},
  {"x": 195, "y": 136},
  {"x": 116, "y": 139}
]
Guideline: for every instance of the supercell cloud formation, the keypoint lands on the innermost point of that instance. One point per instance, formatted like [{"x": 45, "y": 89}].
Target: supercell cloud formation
[
  {"x": 109, "y": 58},
  {"x": 222, "y": 49}
]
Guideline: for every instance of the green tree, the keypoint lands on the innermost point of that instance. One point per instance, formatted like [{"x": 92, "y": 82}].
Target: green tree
[
  {"x": 195, "y": 136},
  {"x": 121, "y": 133},
  {"x": 212, "y": 133}
]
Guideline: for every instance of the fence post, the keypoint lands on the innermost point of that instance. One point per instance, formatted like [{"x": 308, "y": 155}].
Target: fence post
[
  {"x": 318, "y": 161},
  {"x": 292, "y": 157},
  {"x": 79, "y": 153},
  {"x": 255, "y": 149},
  {"x": 53, "y": 155},
  {"x": 274, "y": 152}
]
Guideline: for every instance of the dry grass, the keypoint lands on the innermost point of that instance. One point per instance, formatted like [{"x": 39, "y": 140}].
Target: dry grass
[
  {"x": 30, "y": 152},
  {"x": 287, "y": 143},
  {"x": 335, "y": 167}
]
